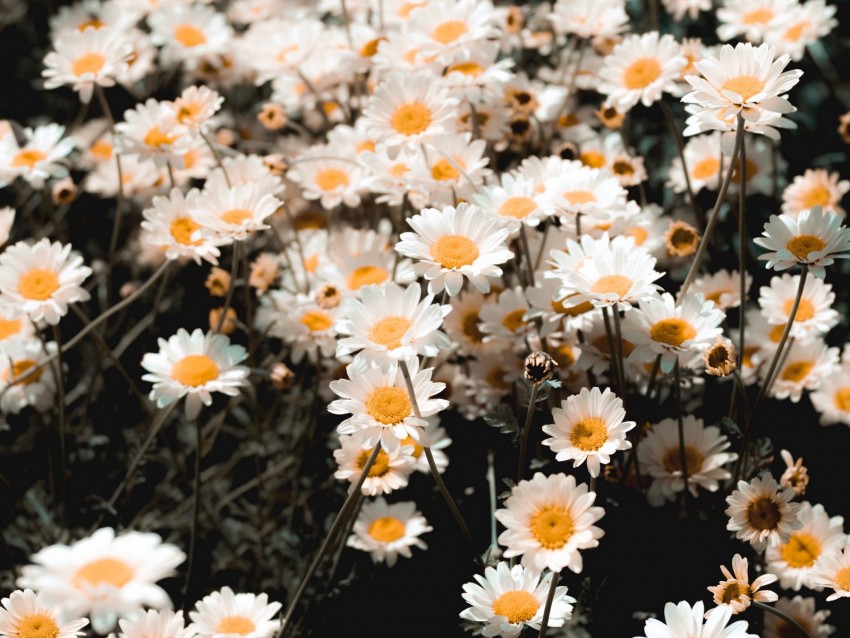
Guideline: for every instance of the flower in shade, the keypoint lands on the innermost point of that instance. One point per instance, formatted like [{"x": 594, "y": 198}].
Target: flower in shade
[
  {"x": 22, "y": 382},
  {"x": 156, "y": 624},
  {"x": 234, "y": 213},
  {"x": 25, "y": 615},
  {"x": 684, "y": 621},
  {"x": 802, "y": 610},
  {"x": 815, "y": 314},
  {"x": 815, "y": 187},
  {"x": 389, "y": 472},
  {"x": 761, "y": 513},
  {"x": 832, "y": 397},
  {"x": 803, "y": 367},
  {"x": 737, "y": 592},
  {"x": 224, "y": 614},
  {"x": 832, "y": 571},
  {"x": 796, "y": 475},
  {"x": 387, "y": 531},
  {"x": 508, "y": 599}
]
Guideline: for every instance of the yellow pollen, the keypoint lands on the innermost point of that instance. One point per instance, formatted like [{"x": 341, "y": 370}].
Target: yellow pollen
[
  {"x": 639, "y": 233},
  {"x": 389, "y": 331},
  {"x": 236, "y": 216},
  {"x": 316, "y": 320},
  {"x": 158, "y": 138},
  {"x": 411, "y": 118},
  {"x": 514, "y": 320},
  {"x": 9, "y": 328},
  {"x": 448, "y": 32},
  {"x": 706, "y": 168},
  {"x": 763, "y": 513},
  {"x": 364, "y": 146},
  {"x": 417, "y": 449},
  {"x": 622, "y": 167},
  {"x": 744, "y": 85},
  {"x": 454, "y": 251},
  {"x": 469, "y": 325},
  {"x": 19, "y": 368},
  {"x": 805, "y": 311},
  {"x": 802, "y": 245},
  {"x": 194, "y": 370},
  {"x": 589, "y": 434},
  {"x": 672, "y": 331},
  {"x": 366, "y": 275},
  {"x": 28, "y": 157},
  {"x": 91, "y": 22},
  {"x": 235, "y": 625},
  {"x": 443, "y": 170},
  {"x": 466, "y": 68},
  {"x": 517, "y": 207},
  {"x": 797, "y": 371},
  {"x": 87, "y": 63},
  {"x": 552, "y": 526},
  {"x": 734, "y": 591},
  {"x": 758, "y": 16},
  {"x": 189, "y": 35},
  {"x": 801, "y": 550},
  {"x": 387, "y": 529},
  {"x": 380, "y": 467},
  {"x": 517, "y": 606},
  {"x": 716, "y": 295},
  {"x": 329, "y": 179},
  {"x": 397, "y": 170},
  {"x": 579, "y": 197},
  {"x": 594, "y": 159},
  {"x": 370, "y": 48},
  {"x": 182, "y": 229},
  {"x": 101, "y": 149},
  {"x": 108, "y": 571},
  {"x": 388, "y": 405},
  {"x": 842, "y": 579},
  {"x": 641, "y": 73},
  {"x": 672, "y": 460},
  {"x": 842, "y": 399},
  {"x": 38, "y": 284},
  {"x": 37, "y": 626},
  {"x": 618, "y": 284},
  {"x": 681, "y": 239},
  {"x": 817, "y": 196},
  {"x": 795, "y": 33},
  {"x": 565, "y": 356}
]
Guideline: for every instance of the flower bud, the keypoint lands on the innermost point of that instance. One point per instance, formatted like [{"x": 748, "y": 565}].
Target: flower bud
[{"x": 539, "y": 367}]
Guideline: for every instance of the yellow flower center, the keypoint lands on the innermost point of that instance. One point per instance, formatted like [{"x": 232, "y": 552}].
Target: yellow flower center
[
  {"x": 842, "y": 579},
  {"x": 716, "y": 295},
  {"x": 673, "y": 331},
  {"x": 639, "y": 233},
  {"x": 182, "y": 229},
  {"x": 552, "y": 526},
  {"x": 366, "y": 275},
  {"x": 801, "y": 550},
  {"x": 109, "y": 571},
  {"x": 795, "y": 33},
  {"x": 672, "y": 460},
  {"x": 622, "y": 167},
  {"x": 454, "y": 251},
  {"x": 842, "y": 399},
  {"x": 618, "y": 284},
  {"x": 417, "y": 449},
  {"x": 28, "y": 157},
  {"x": 817, "y": 196},
  {"x": 443, "y": 170},
  {"x": 763, "y": 513},
  {"x": 37, "y": 626},
  {"x": 387, "y": 529},
  {"x": 380, "y": 467},
  {"x": 194, "y": 370},
  {"x": 370, "y": 48},
  {"x": 316, "y": 320},
  {"x": 388, "y": 405},
  {"x": 734, "y": 591},
  {"x": 469, "y": 326},
  {"x": 706, "y": 168},
  {"x": 364, "y": 146},
  {"x": 397, "y": 170},
  {"x": 187, "y": 111},
  {"x": 514, "y": 320},
  {"x": 88, "y": 63},
  {"x": 744, "y": 85},
  {"x": 158, "y": 138},
  {"x": 389, "y": 331},
  {"x": 91, "y": 22},
  {"x": 235, "y": 625},
  {"x": 594, "y": 159},
  {"x": 9, "y": 328},
  {"x": 18, "y": 368},
  {"x": 38, "y": 284},
  {"x": 101, "y": 149},
  {"x": 579, "y": 197},
  {"x": 758, "y": 16},
  {"x": 466, "y": 68},
  {"x": 517, "y": 207},
  {"x": 802, "y": 245},
  {"x": 805, "y": 311},
  {"x": 236, "y": 216},
  {"x": 797, "y": 371},
  {"x": 589, "y": 434},
  {"x": 571, "y": 311},
  {"x": 682, "y": 239},
  {"x": 411, "y": 118},
  {"x": 189, "y": 35},
  {"x": 641, "y": 73},
  {"x": 517, "y": 606},
  {"x": 329, "y": 179},
  {"x": 448, "y": 32}
]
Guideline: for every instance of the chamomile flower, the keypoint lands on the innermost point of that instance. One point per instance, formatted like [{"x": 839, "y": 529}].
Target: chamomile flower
[
  {"x": 234, "y": 213},
  {"x": 548, "y": 520},
  {"x": 194, "y": 365},
  {"x": 802, "y": 610},
  {"x": 761, "y": 513},
  {"x": 641, "y": 69},
  {"x": 815, "y": 314},
  {"x": 443, "y": 27},
  {"x": 508, "y": 599},
  {"x": 388, "y": 531},
  {"x": 590, "y": 19},
  {"x": 455, "y": 243},
  {"x": 24, "y": 615},
  {"x": 40, "y": 280},
  {"x": 815, "y": 187},
  {"x": 723, "y": 288},
  {"x": 684, "y": 621},
  {"x": 506, "y": 320},
  {"x": 85, "y": 59},
  {"x": 832, "y": 397},
  {"x": 737, "y": 592},
  {"x": 331, "y": 181},
  {"x": 388, "y": 473},
  {"x": 832, "y": 570},
  {"x": 590, "y": 192},
  {"x": 151, "y": 132},
  {"x": 803, "y": 25},
  {"x": 155, "y": 624},
  {"x": 303, "y": 322},
  {"x": 514, "y": 201},
  {"x": 224, "y": 613},
  {"x": 195, "y": 106},
  {"x": 803, "y": 368},
  {"x": 189, "y": 33},
  {"x": 104, "y": 576},
  {"x": 38, "y": 158},
  {"x": 752, "y": 19},
  {"x": 37, "y": 388},
  {"x": 589, "y": 426},
  {"x": 170, "y": 225}
]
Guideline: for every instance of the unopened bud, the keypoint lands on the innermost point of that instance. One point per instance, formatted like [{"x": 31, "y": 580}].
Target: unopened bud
[
  {"x": 127, "y": 289},
  {"x": 721, "y": 359},
  {"x": 276, "y": 164},
  {"x": 225, "y": 137},
  {"x": 281, "y": 376},
  {"x": 328, "y": 296},
  {"x": 218, "y": 281},
  {"x": 272, "y": 116},
  {"x": 539, "y": 367},
  {"x": 64, "y": 191}
]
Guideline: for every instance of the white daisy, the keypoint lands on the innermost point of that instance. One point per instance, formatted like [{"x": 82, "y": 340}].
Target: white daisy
[
  {"x": 387, "y": 531},
  {"x": 590, "y": 192},
  {"x": 832, "y": 397},
  {"x": 684, "y": 621},
  {"x": 189, "y": 33},
  {"x": 151, "y": 132},
  {"x": 548, "y": 520},
  {"x": 506, "y": 320},
  {"x": 463, "y": 323},
  {"x": 803, "y": 25},
  {"x": 305, "y": 323},
  {"x": 452, "y": 168},
  {"x": 556, "y": 313},
  {"x": 514, "y": 201},
  {"x": 169, "y": 224},
  {"x": 331, "y": 181},
  {"x": 245, "y": 169},
  {"x": 803, "y": 367},
  {"x": 194, "y": 365},
  {"x": 761, "y": 513},
  {"x": 388, "y": 473},
  {"x": 832, "y": 571},
  {"x": 723, "y": 288},
  {"x": 815, "y": 314},
  {"x": 155, "y": 624},
  {"x": 597, "y": 19},
  {"x": 223, "y": 614},
  {"x": 737, "y": 592},
  {"x": 815, "y": 187},
  {"x": 195, "y": 106},
  {"x": 234, "y": 213},
  {"x": 442, "y": 27},
  {"x": 752, "y": 19},
  {"x": 24, "y": 615},
  {"x": 38, "y": 158},
  {"x": 802, "y": 610},
  {"x": 19, "y": 387}
]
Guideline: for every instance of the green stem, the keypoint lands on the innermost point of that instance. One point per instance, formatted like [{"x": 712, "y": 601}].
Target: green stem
[{"x": 526, "y": 432}]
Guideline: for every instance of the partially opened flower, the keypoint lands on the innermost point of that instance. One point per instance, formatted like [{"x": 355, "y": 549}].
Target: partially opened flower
[
  {"x": 737, "y": 592},
  {"x": 224, "y": 614},
  {"x": 387, "y": 531},
  {"x": 25, "y": 615},
  {"x": 761, "y": 513}
]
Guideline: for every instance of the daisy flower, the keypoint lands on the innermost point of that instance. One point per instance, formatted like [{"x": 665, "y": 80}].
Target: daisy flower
[
  {"x": 752, "y": 19},
  {"x": 678, "y": 8},
  {"x": 189, "y": 33},
  {"x": 590, "y": 19},
  {"x": 444, "y": 27},
  {"x": 705, "y": 458},
  {"x": 815, "y": 314},
  {"x": 331, "y": 181},
  {"x": 150, "y": 131},
  {"x": 796, "y": 476},
  {"x": 14, "y": 328},
  {"x": 548, "y": 520},
  {"x": 506, "y": 320},
  {"x": 514, "y": 201},
  {"x": 832, "y": 397},
  {"x": 407, "y": 110},
  {"x": 832, "y": 571},
  {"x": 38, "y": 158},
  {"x": 387, "y": 531},
  {"x": 802, "y": 610},
  {"x": 105, "y": 576},
  {"x": 24, "y": 615},
  {"x": 170, "y": 225},
  {"x": 463, "y": 323},
  {"x": 305, "y": 323},
  {"x": 194, "y": 365},
  {"x": 507, "y": 599},
  {"x": 452, "y": 168},
  {"x": 195, "y": 106},
  {"x": 818, "y": 535},
  {"x": 660, "y": 326},
  {"x": 803, "y": 25},
  {"x": 455, "y": 243},
  {"x": 155, "y": 624},
  {"x": 389, "y": 472},
  {"x": 556, "y": 313},
  {"x": 19, "y": 387},
  {"x": 803, "y": 367},
  {"x": 586, "y": 191},
  {"x": 704, "y": 160},
  {"x": 684, "y": 621},
  {"x": 223, "y": 613},
  {"x": 245, "y": 169},
  {"x": 640, "y": 69},
  {"x": 379, "y": 404},
  {"x": 390, "y": 323},
  {"x": 737, "y": 592},
  {"x": 814, "y": 238},
  {"x": 761, "y": 513},
  {"x": 589, "y": 426},
  {"x": 815, "y": 187},
  {"x": 723, "y": 288},
  {"x": 437, "y": 439},
  {"x": 234, "y": 213},
  {"x": 42, "y": 279}
]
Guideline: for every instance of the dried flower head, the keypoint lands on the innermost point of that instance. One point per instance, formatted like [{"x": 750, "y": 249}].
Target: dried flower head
[
  {"x": 229, "y": 324},
  {"x": 610, "y": 117},
  {"x": 539, "y": 367},
  {"x": 217, "y": 282},
  {"x": 281, "y": 376},
  {"x": 681, "y": 239},
  {"x": 272, "y": 116},
  {"x": 796, "y": 476},
  {"x": 64, "y": 191},
  {"x": 721, "y": 359},
  {"x": 844, "y": 127}
]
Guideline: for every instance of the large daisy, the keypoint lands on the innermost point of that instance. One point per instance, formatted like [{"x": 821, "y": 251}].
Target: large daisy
[
  {"x": 387, "y": 531},
  {"x": 24, "y": 615},
  {"x": 815, "y": 187},
  {"x": 815, "y": 314},
  {"x": 761, "y": 513},
  {"x": 223, "y": 614}
]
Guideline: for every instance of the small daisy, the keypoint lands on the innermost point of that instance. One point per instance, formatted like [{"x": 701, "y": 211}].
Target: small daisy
[
  {"x": 803, "y": 367},
  {"x": 224, "y": 614},
  {"x": 752, "y": 19},
  {"x": 590, "y": 427},
  {"x": 507, "y": 599},
  {"x": 705, "y": 458},
  {"x": 19, "y": 387},
  {"x": 156, "y": 624},
  {"x": 24, "y": 615},
  {"x": 815, "y": 314},
  {"x": 331, "y": 181},
  {"x": 151, "y": 132},
  {"x": 548, "y": 520},
  {"x": 189, "y": 33},
  {"x": 463, "y": 323},
  {"x": 42, "y": 279},
  {"x": 723, "y": 288},
  {"x": 170, "y": 225},
  {"x": 305, "y": 323},
  {"x": 737, "y": 592},
  {"x": 195, "y": 106},
  {"x": 801, "y": 610},
  {"x": 684, "y": 621},
  {"x": 641, "y": 69},
  {"x": 455, "y": 243},
  {"x": 234, "y": 213},
  {"x": 385, "y": 531},
  {"x": 761, "y": 513},
  {"x": 389, "y": 472},
  {"x": 506, "y": 320},
  {"x": 194, "y": 365},
  {"x": 832, "y": 397},
  {"x": 832, "y": 571},
  {"x": 39, "y": 156},
  {"x": 105, "y": 576},
  {"x": 815, "y": 187}
]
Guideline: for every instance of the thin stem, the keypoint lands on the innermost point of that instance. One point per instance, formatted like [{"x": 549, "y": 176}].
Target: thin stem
[
  {"x": 59, "y": 375},
  {"x": 216, "y": 155},
  {"x": 526, "y": 432},
  {"x": 196, "y": 509},
  {"x": 228, "y": 300},
  {"x": 621, "y": 366},
  {"x": 119, "y": 203},
  {"x": 742, "y": 255},
  {"x": 523, "y": 235},
  {"x": 612, "y": 352},
  {"x": 680, "y": 147},
  {"x": 783, "y": 616},
  {"x": 680, "y": 419},
  {"x": 544, "y": 623}
]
